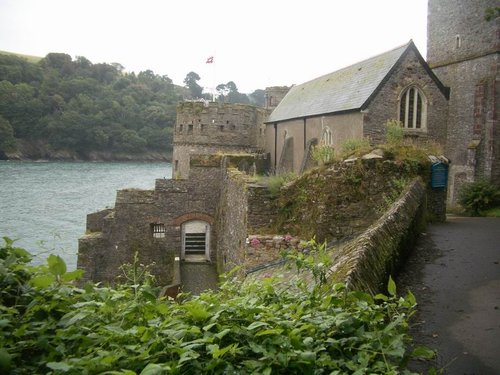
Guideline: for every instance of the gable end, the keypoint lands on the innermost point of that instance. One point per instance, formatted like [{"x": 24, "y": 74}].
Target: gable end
[{"x": 411, "y": 46}]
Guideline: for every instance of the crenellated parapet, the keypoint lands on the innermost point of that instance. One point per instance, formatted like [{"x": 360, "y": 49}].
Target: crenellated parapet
[{"x": 211, "y": 128}]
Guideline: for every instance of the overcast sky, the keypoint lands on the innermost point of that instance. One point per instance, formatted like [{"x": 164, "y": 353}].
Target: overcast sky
[{"x": 255, "y": 43}]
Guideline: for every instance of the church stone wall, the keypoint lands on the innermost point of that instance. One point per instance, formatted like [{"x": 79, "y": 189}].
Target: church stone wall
[
  {"x": 473, "y": 140},
  {"x": 385, "y": 105},
  {"x": 463, "y": 52},
  {"x": 472, "y": 103},
  {"x": 457, "y": 30},
  {"x": 342, "y": 126}
]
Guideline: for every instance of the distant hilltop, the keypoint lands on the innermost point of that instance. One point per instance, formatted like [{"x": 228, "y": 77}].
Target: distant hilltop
[{"x": 30, "y": 58}]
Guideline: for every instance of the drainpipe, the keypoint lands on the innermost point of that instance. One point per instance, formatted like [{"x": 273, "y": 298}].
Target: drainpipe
[
  {"x": 275, "y": 146},
  {"x": 305, "y": 128}
]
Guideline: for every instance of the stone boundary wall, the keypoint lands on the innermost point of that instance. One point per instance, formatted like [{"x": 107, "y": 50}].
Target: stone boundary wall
[
  {"x": 262, "y": 208},
  {"x": 365, "y": 263},
  {"x": 231, "y": 220},
  {"x": 262, "y": 250}
]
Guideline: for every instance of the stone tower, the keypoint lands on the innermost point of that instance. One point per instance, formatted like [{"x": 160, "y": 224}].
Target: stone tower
[
  {"x": 463, "y": 51},
  {"x": 274, "y": 95},
  {"x": 211, "y": 127}
]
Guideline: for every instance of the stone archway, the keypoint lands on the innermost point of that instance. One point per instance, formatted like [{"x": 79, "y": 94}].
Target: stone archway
[
  {"x": 195, "y": 228},
  {"x": 195, "y": 240}
]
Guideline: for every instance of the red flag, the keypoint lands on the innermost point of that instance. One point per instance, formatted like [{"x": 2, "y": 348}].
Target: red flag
[{"x": 210, "y": 60}]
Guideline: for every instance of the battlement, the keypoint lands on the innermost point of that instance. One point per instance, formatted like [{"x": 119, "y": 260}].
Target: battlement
[
  {"x": 210, "y": 123},
  {"x": 211, "y": 128}
]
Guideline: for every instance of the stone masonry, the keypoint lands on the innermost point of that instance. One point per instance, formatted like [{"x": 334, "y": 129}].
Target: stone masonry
[
  {"x": 463, "y": 51},
  {"x": 210, "y": 128}
]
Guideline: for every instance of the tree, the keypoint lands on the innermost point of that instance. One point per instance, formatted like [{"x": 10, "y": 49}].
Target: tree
[
  {"x": 234, "y": 96},
  {"x": 191, "y": 82},
  {"x": 58, "y": 61},
  {"x": 222, "y": 90},
  {"x": 20, "y": 106},
  {"x": 83, "y": 66},
  {"x": 131, "y": 142},
  {"x": 81, "y": 107},
  {"x": 104, "y": 73},
  {"x": 7, "y": 141},
  {"x": 229, "y": 93},
  {"x": 18, "y": 70},
  {"x": 258, "y": 98}
]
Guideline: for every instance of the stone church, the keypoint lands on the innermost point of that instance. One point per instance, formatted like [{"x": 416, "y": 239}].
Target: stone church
[
  {"x": 452, "y": 98},
  {"x": 356, "y": 102},
  {"x": 195, "y": 226}
]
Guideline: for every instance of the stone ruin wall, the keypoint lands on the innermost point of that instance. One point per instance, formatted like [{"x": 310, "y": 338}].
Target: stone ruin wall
[
  {"x": 114, "y": 235},
  {"x": 216, "y": 192}
]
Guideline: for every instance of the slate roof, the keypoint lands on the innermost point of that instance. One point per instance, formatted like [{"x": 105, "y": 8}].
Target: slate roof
[{"x": 346, "y": 89}]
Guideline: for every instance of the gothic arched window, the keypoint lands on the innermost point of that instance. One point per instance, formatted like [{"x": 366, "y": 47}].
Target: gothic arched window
[
  {"x": 327, "y": 137},
  {"x": 413, "y": 109}
]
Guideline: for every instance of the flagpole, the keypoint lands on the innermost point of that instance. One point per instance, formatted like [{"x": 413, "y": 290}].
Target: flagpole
[
  {"x": 210, "y": 60},
  {"x": 213, "y": 77}
]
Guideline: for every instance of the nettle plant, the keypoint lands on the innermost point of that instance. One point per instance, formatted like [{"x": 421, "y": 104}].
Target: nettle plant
[{"x": 270, "y": 326}]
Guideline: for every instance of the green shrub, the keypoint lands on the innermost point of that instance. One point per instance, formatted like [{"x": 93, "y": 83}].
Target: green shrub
[
  {"x": 270, "y": 326},
  {"x": 323, "y": 154},
  {"x": 355, "y": 146},
  {"x": 394, "y": 132},
  {"x": 479, "y": 196},
  {"x": 412, "y": 150},
  {"x": 276, "y": 182}
]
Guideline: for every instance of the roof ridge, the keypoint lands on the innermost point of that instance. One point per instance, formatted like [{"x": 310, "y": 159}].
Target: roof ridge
[
  {"x": 346, "y": 89},
  {"x": 406, "y": 45}
]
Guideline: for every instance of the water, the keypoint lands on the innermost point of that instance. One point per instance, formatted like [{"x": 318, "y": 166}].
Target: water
[{"x": 44, "y": 205}]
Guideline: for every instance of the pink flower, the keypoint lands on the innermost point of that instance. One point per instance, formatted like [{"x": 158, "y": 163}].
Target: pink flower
[
  {"x": 254, "y": 242},
  {"x": 288, "y": 238}
]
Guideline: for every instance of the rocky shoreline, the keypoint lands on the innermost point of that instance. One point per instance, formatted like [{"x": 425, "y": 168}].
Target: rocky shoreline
[{"x": 38, "y": 151}]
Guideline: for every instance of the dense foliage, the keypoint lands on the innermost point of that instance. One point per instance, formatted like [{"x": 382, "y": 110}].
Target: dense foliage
[
  {"x": 83, "y": 107},
  {"x": 79, "y": 106},
  {"x": 479, "y": 196},
  {"x": 273, "y": 326}
]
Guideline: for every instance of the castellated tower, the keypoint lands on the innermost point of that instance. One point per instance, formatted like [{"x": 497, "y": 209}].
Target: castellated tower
[
  {"x": 463, "y": 51},
  {"x": 210, "y": 128}
]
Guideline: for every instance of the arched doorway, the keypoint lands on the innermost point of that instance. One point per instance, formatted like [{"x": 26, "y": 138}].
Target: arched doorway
[{"x": 195, "y": 240}]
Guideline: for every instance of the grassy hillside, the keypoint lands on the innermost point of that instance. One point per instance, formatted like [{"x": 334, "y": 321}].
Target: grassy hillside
[{"x": 30, "y": 58}]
